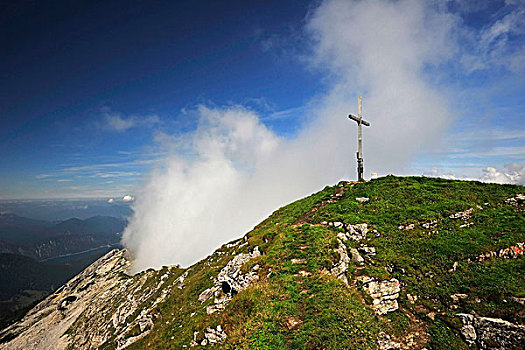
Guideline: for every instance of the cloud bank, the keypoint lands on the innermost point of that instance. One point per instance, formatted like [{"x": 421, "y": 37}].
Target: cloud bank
[
  {"x": 232, "y": 171},
  {"x": 513, "y": 173}
]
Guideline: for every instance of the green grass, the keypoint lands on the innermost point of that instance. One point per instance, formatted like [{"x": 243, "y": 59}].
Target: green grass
[{"x": 331, "y": 315}]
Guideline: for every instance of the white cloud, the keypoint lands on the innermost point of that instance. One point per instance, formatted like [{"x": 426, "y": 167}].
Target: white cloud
[
  {"x": 513, "y": 173},
  {"x": 116, "y": 122},
  {"x": 499, "y": 44},
  {"x": 508, "y": 152},
  {"x": 116, "y": 174},
  {"x": 232, "y": 171},
  {"x": 128, "y": 198}
]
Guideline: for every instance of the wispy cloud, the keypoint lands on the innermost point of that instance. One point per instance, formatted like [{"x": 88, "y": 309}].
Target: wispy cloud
[
  {"x": 92, "y": 167},
  {"x": 509, "y": 152},
  {"x": 44, "y": 176},
  {"x": 116, "y": 174},
  {"x": 286, "y": 113},
  {"x": 498, "y": 43},
  {"x": 118, "y": 122},
  {"x": 486, "y": 135}
]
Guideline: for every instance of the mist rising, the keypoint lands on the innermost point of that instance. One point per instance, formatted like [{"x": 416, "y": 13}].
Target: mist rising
[{"x": 232, "y": 171}]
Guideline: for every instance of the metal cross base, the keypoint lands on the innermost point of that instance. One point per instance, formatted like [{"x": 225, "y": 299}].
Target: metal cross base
[{"x": 359, "y": 169}]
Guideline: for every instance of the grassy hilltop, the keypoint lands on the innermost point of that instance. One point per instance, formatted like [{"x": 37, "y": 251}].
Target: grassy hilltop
[
  {"x": 414, "y": 235},
  {"x": 330, "y": 314}
]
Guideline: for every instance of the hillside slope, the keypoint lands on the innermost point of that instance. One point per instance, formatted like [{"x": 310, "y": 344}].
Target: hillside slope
[{"x": 407, "y": 263}]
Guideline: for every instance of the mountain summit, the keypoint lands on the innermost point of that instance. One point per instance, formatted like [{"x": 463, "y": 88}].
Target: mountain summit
[{"x": 393, "y": 263}]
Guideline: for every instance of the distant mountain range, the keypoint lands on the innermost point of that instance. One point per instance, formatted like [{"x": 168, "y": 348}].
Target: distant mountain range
[
  {"x": 55, "y": 210},
  {"x": 38, "y": 256},
  {"x": 43, "y": 240}
]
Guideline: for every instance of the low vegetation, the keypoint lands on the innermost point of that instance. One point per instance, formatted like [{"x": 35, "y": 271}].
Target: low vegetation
[{"x": 437, "y": 241}]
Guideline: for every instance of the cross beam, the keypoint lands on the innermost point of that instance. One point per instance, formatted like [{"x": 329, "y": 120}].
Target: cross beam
[{"x": 359, "y": 120}]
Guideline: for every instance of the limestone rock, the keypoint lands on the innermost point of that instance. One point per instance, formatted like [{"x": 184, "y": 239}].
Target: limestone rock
[
  {"x": 355, "y": 232},
  {"x": 211, "y": 336},
  {"x": 369, "y": 252},
  {"x": 517, "y": 200},
  {"x": 492, "y": 333},
  {"x": 92, "y": 296},
  {"x": 383, "y": 293},
  {"x": 341, "y": 267},
  {"x": 230, "y": 281},
  {"x": 356, "y": 257},
  {"x": 214, "y": 336},
  {"x": 411, "y": 298},
  {"x": 456, "y": 297},
  {"x": 384, "y": 342}
]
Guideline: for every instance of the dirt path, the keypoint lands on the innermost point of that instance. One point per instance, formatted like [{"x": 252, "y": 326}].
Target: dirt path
[{"x": 304, "y": 219}]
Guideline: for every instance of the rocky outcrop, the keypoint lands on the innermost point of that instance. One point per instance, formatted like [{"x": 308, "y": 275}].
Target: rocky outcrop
[
  {"x": 369, "y": 252},
  {"x": 384, "y": 293},
  {"x": 492, "y": 333},
  {"x": 516, "y": 201},
  {"x": 230, "y": 281},
  {"x": 211, "y": 336},
  {"x": 356, "y": 257},
  {"x": 101, "y": 306},
  {"x": 385, "y": 342},
  {"x": 511, "y": 252},
  {"x": 341, "y": 267},
  {"x": 465, "y": 216},
  {"x": 355, "y": 232}
]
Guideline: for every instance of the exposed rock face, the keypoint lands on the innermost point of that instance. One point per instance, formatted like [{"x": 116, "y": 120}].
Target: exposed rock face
[
  {"x": 464, "y": 216},
  {"x": 383, "y": 293},
  {"x": 369, "y": 252},
  {"x": 85, "y": 304},
  {"x": 519, "y": 199},
  {"x": 230, "y": 281},
  {"x": 384, "y": 342},
  {"x": 492, "y": 333},
  {"x": 340, "y": 268},
  {"x": 211, "y": 336},
  {"x": 355, "y": 232},
  {"x": 214, "y": 336},
  {"x": 356, "y": 257}
]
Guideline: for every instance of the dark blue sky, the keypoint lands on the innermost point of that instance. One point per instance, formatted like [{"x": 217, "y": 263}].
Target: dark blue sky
[
  {"x": 66, "y": 66},
  {"x": 64, "y": 62}
]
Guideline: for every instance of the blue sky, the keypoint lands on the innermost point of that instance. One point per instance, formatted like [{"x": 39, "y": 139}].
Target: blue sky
[{"x": 91, "y": 88}]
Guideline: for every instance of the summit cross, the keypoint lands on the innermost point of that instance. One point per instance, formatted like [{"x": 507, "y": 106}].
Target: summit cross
[{"x": 360, "y": 121}]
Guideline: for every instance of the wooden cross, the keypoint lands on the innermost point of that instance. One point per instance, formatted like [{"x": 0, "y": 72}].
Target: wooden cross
[{"x": 359, "y": 121}]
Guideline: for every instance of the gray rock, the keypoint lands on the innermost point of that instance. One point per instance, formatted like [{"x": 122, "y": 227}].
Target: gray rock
[
  {"x": 230, "y": 281},
  {"x": 384, "y": 342},
  {"x": 341, "y": 267},
  {"x": 369, "y": 252},
  {"x": 383, "y": 293},
  {"x": 356, "y": 257},
  {"x": 214, "y": 336},
  {"x": 492, "y": 333},
  {"x": 356, "y": 232}
]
